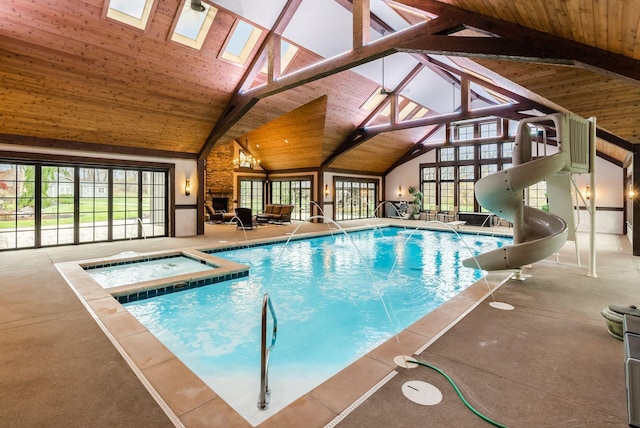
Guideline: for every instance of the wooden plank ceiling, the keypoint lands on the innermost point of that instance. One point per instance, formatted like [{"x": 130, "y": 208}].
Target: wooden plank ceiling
[{"x": 70, "y": 77}]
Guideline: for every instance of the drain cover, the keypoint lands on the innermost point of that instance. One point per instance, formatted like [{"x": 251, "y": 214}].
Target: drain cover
[
  {"x": 422, "y": 393},
  {"x": 501, "y": 306},
  {"x": 401, "y": 361}
]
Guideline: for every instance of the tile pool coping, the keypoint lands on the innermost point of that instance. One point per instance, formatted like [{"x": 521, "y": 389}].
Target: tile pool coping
[
  {"x": 221, "y": 270},
  {"x": 188, "y": 401}
]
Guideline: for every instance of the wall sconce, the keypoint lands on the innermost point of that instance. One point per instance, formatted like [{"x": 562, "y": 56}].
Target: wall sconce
[
  {"x": 326, "y": 190},
  {"x": 631, "y": 193},
  {"x": 587, "y": 192},
  {"x": 187, "y": 187},
  {"x": 399, "y": 191}
]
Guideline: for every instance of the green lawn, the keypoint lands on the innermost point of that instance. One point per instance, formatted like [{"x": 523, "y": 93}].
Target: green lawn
[{"x": 91, "y": 210}]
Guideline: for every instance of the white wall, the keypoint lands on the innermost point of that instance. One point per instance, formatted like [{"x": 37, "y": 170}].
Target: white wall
[
  {"x": 609, "y": 193},
  {"x": 407, "y": 174},
  {"x": 186, "y": 219}
]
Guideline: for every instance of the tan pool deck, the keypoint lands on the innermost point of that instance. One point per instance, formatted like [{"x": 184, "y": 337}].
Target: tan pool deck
[{"x": 550, "y": 362}]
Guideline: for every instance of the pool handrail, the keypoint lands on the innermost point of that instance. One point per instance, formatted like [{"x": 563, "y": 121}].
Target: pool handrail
[{"x": 263, "y": 397}]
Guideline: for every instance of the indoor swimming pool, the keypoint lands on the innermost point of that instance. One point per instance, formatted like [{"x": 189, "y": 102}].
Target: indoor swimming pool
[{"x": 336, "y": 298}]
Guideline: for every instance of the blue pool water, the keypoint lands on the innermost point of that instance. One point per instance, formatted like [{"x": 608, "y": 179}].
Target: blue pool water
[{"x": 327, "y": 293}]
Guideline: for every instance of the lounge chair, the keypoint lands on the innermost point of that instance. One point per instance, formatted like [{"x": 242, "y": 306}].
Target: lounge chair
[
  {"x": 210, "y": 211},
  {"x": 245, "y": 219},
  {"x": 216, "y": 216}
]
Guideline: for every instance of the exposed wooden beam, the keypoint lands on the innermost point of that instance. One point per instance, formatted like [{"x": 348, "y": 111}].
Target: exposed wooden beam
[
  {"x": 375, "y": 50},
  {"x": 361, "y": 11},
  {"x": 614, "y": 139},
  {"x": 273, "y": 58},
  {"x": 23, "y": 140},
  {"x": 242, "y": 102},
  {"x": 375, "y": 22},
  {"x": 516, "y": 42},
  {"x": 498, "y": 110},
  {"x": 361, "y": 135},
  {"x": 239, "y": 105}
]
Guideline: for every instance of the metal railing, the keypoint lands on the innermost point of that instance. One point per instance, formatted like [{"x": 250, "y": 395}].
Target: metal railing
[{"x": 263, "y": 396}]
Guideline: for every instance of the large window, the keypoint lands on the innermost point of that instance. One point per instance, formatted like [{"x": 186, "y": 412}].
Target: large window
[
  {"x": 294, "y": 192},
  {"x": 447, "y": 188},
  {"x": 466, "y": 153},
  {"x": 507, "y": 150},
  {"x": 252, "y": 194},
  {"x": 537, "y": 196},
  {"x": 355, "y": 198},
  {"x": 17, "y": 205},
  {"x": 94, "y": 204},
  {"x": 466, "y": 195},
  {"x": 429, "y": 184},
  {"x": 47, "y": 204},
  {"x": 489, "y": 151},
  {"x": 489, "y": 129},
  {"x": 450, "y": 182},
  {"x": 469, "y": 131},
  {"x": 57, "y": 205},
  {"x": 447, "y": 154},
  {"x": 464, "y": 132},
  {"x": 154, "y": 201},
  {"x": 125, "y": 203}
]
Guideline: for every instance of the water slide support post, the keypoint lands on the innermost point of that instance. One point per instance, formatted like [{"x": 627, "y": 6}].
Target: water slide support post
[{"x": 592, "y": 217}]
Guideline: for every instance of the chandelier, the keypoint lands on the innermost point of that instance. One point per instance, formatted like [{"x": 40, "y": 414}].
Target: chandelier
[{"x": 245, "y": 160}]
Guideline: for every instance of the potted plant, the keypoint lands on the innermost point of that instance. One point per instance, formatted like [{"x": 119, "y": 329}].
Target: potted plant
[{"x": 417, "y": 202}]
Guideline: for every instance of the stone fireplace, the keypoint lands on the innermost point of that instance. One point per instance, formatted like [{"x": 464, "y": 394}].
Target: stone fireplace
[{"x": 219, "y": 177}]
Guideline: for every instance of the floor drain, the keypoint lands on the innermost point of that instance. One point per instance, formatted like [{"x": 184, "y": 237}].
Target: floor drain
[
  {"x": 401, "y": 361},
  {"x": 422, "y": 392},
  {"x": 502, "y": 306}
]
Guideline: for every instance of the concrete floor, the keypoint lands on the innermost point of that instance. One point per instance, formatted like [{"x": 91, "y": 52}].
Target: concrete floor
[{"x": 549, "y": 362}]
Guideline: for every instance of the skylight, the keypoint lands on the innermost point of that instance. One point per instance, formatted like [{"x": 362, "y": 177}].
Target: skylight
[
  {"x": 193, "y": 26},
  {"x": 406, "y": 110},
  {"x": 131, "y": 12},
  {"x": 421, "y": 113},
  {"x": 374, "y": 100},
  {"x": 287, "y": 53},
  {"x": 241, "y": 43}
]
